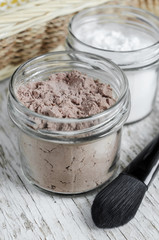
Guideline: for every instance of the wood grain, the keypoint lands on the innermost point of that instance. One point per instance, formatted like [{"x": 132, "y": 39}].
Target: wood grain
[{"x": 27, "y": 213}]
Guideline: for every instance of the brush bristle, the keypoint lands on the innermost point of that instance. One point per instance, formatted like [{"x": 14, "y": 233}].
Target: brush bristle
[{"x": 118, "y": 202}]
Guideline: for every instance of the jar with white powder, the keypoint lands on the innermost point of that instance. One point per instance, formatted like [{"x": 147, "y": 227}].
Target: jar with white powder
[
  {"x": 61, "y": 152},
  {"x": 130, "y": 38}
]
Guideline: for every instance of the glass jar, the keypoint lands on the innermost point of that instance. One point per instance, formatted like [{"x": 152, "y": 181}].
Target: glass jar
[
  {"x": 130, "y": 38},
  {"x": 84, "y": 154}
]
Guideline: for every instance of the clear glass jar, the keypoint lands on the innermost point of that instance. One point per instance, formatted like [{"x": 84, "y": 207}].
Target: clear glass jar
[
  {"x": 70, "y": 161},
  {"x": 130, "y": 38}
]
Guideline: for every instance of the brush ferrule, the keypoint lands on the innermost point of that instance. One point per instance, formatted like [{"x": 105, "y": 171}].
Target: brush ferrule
[
  {"x": 152, "y": 174},
  {"x": 145, "y": 166}
]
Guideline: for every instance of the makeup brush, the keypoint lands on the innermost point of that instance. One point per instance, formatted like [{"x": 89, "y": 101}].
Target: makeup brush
[{"x": 117, "y": 203}]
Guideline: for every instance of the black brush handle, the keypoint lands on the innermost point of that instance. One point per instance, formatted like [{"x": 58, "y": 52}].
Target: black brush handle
[{"x": 145, "y": 166}]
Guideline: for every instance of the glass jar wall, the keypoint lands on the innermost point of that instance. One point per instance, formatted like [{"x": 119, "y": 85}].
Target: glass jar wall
[
  {"x": 129, "y": 37},
  {"x": 78, "y": 154}
]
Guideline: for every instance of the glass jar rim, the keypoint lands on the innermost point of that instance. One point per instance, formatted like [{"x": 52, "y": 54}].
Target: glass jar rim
[
  {"x": 67, "y": 120},
  {"x": 111, "y": 5},
  {"x": 71, "y": 130}
]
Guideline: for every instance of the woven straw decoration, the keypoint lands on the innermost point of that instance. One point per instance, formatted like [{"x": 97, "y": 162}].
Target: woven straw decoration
[{"x": 40, "y": 26}]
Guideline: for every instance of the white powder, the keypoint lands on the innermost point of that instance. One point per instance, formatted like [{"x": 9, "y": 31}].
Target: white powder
[
  {"x": 118, "y": 38},
  {"x": 143, "y": 85},
  {"x": 113, "y": 37},
  {"x": 115, "y": 41}
]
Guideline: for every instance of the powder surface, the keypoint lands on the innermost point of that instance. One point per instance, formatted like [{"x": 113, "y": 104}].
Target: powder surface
[
  {"x": 66, "y": 95},
  {"x": 114, "y": 37}
]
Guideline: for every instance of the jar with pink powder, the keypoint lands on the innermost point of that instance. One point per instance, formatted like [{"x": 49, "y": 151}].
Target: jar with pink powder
[{"x": 69, "y": 113}]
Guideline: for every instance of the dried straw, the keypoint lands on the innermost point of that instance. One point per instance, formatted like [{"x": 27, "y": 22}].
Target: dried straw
[{"x": 40, "y": 26}]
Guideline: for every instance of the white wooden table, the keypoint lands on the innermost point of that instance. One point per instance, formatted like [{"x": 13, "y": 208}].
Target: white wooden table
[{"x": 27, "y": 213}]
